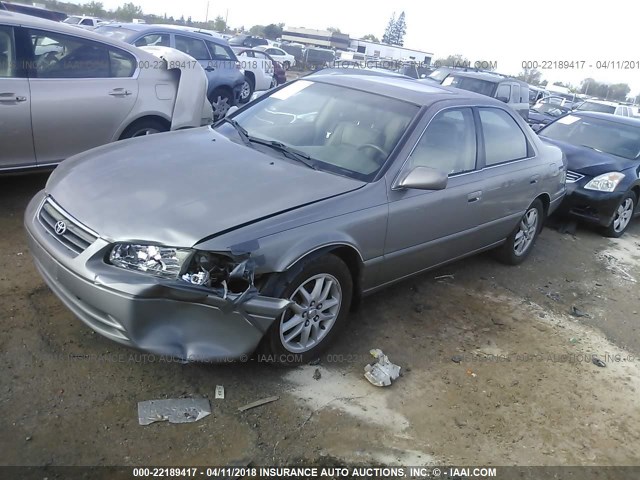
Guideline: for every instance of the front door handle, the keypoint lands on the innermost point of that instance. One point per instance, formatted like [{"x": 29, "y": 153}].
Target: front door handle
[
  {"x": 474, "y": 196},
  {"x": 209, "y": 69},
  {"x": 119, "y": 92},
  {"x": 8, "y": 97}
]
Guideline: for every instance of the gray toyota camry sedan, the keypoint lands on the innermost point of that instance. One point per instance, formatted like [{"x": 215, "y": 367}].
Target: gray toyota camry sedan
[{"x": 264, "y": 230}]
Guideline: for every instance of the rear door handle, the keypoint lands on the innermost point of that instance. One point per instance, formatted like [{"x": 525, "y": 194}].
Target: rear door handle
[
  {"x": 534, "y": 179},
  {"x": 474, "y": 196},
  {"x": 8, "y": 97},
  {"x": 119, "y": 92},
  {"x": 209, "y": 69}
]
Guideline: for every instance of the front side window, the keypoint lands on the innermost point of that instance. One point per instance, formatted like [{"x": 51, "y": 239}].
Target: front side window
[
  {"x": 72, "y": 20},
  {"x": 503, "y": 139},
  {"x": 503, "y": 91},
  {"x": 448, "y": 144},
  {"x": 192, "y": 46},
  {"x": 65, "y": 56},
  {"x": 7, "y": 53},
  {"x": 344, "y": 131},
  {"x": 86, "y": 21}
]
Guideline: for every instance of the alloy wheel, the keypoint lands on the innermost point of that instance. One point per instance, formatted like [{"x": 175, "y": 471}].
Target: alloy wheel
[
  {"x": 527, "y": 232},
  {"x": 314, "y": 312},
  {"x": 623, "y": 215}
]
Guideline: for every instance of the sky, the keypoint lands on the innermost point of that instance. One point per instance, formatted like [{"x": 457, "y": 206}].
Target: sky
[{"x": 508, "y": 33}]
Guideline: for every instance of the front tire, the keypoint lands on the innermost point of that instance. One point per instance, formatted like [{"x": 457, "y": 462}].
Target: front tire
[
  {"x": 519, "y": 244},
  {"x": 321, "y": 289},
  {"x": 221, "y": 100},
  {"x": 622, "y": 217}
]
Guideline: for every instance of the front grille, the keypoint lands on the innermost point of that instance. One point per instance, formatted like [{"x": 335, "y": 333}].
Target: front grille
[
  {"x": 69, "y": 233},
  {"x": 573, "y": 177}
]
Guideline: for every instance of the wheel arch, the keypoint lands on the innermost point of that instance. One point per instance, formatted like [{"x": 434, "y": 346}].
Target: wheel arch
[
  {"x": 150, "y": 116},
  {"x": 545, "y": 198}
]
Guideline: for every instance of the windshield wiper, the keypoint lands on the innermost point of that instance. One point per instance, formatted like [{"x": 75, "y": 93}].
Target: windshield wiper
[
  {"x": 242, "y": 132},
  {"x": 288, "y": 151},
  {"x": 592, "y": 148}
]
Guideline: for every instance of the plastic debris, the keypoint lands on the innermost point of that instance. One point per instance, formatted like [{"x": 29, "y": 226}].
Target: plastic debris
[
  {"x": 220, "y": 392},
  {"x": 444, "y": 277},
  {"x": 173, "y": 410},
  {"x": 317, "y": 375},
  {"x": 258, "y": 403},
  {"x": 576, "y": 312},
  {"x": 597, "y": 362},
  {"x": 381, "y": 372}
]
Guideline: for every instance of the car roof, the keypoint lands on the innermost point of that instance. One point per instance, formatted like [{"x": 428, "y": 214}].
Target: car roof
[
  {"x": 602, "y": 102},
  {"x": 163, "y": 28},
  {"x": 406, "y": 89},
  {"x": 11, "y": 18},
  {"x": 635, "y": 122}
]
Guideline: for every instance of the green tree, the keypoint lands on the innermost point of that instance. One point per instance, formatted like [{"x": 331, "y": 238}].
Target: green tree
[
  {"x": 399, "y": 31},
  {"x": 387, "y": 37},
  {"x": 257, "y": 30},
  {"x": 219, "y": 25},
  {"x": 456, "y": 60},
  {"x": 371, "y": 37},
  {"x": 333, "y": 30},
  {"x": 95, "y": 9},
  {"x": 128, "y": 12},
  {"x": 272, "y": 31},
  {"x": 531, "y": 76}
]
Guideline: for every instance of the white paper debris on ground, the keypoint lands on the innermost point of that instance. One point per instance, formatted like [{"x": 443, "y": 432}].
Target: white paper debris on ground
[
  {"x": 173, "y": 410},
  {"x": 219, "y": 392},
  {"x": 381, "y": 372}
]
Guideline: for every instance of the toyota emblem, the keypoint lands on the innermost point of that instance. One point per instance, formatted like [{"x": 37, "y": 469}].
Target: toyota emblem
[{"x": 60, "y": 227}]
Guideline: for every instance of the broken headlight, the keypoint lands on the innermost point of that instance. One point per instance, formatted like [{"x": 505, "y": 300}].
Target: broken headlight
[
  {"x": 155, "y": 260},
  {"x": 231, "y": 274}
]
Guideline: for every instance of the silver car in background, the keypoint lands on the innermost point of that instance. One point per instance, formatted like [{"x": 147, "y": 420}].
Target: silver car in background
[
  {"x": 64, "y": 90},
  {"x": 290, "y": 210}
]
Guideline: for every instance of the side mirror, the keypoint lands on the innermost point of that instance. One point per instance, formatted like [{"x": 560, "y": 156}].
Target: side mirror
[
  {"x": 537, "y": 127},
  {"x": 231, "y": 110},
  {"x": 503, "y": 99},
  {"x": 424, "y": 178}
]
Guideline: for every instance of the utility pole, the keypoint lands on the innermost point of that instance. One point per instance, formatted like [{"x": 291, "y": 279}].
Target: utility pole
[{"x": 206, "y": 17}]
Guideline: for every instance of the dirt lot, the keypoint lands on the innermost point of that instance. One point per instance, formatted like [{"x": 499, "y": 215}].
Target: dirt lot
[{"x": 525, "y": 391}]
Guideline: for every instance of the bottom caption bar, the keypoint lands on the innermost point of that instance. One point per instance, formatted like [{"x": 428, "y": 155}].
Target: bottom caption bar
[{"x": 319, "y": 472}]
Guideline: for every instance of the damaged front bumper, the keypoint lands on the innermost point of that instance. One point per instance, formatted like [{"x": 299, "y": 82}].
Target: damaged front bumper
[{"x": 163, "y": 317}]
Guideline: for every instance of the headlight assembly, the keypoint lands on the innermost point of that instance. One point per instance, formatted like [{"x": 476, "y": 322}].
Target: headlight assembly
[
  {"x": 606, "y": 182},
  {"x": 165, "y": 262}
]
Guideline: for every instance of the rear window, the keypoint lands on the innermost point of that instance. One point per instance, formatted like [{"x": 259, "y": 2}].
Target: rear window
[
  {"x": 597, "y": 107},
  {"x": 119, "y": 33},
  {"x": 471, "y": 84}
]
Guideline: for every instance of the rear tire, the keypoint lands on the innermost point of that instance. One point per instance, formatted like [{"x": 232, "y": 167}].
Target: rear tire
[
  {"x": 519, "y": 244},
  {"x": 322, "y": 289},
  {"x": 623, "y": 216},
  {"x": 143, "y": 127},
  {"x": 286, "y": 65}
]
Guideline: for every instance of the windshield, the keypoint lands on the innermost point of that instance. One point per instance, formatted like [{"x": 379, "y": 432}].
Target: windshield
[
  {"x": 344, "y": 131},
  {"x": 606, "y": 136},
  {"x": 119, "y": 33},
  {"x": 72, "y": 20},
  {"x": 439, "y": 75},
  {"x": 597, "y": 107},
  {"x": 472, "y": 84}
]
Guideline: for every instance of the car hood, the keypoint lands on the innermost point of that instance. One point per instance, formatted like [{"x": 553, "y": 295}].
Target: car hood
[
  {"x": 180, "y": 187},
  {"x": 588, "y": 161}
]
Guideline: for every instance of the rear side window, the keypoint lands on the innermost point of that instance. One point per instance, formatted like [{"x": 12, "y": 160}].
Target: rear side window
[
  {"x": 7, "y": 53},
  {"x": 122, "y": 63},
  {"x": 154, "y": 40},
  {"x": 503, "y": 139},
  {"x": 220, "y": 52},
  {"x": 515, "y": 93},
  {"x": 448, "y": 144},
  {"x": 192, "y": 46},
  {"x": 86, "y": 21},
  {"x": 503, "y": 91}
]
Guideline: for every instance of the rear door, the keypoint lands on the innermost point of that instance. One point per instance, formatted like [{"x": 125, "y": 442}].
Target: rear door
[
  {"x": 81, "y": 93},
  {"x": 16, "y": 140},
  {"x": 509, "y": 177}
]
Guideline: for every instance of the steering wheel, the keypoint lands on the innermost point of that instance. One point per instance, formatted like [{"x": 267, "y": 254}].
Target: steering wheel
[{"x": 375, "y": 147}]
